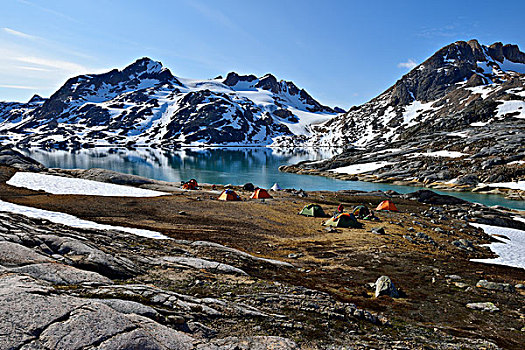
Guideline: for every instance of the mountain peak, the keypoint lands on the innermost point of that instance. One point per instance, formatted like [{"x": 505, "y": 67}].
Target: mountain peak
[
  {"x": 145, "y": 64},
  {"x": 233, "y": 78},
  {"x": 453, "y": 64},
  {"x": 36, "y": 99}
]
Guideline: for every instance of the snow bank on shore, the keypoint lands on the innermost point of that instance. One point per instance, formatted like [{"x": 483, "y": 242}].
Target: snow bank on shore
[
  {"x": 519, "y": 185},
  {"x": 66, "y": 185},
  {"x": 73, "y": 221},
  {"x": 511, "y": 251},
  {"x": 361, "y": 168},
  {"x": 447, "y": 154}
]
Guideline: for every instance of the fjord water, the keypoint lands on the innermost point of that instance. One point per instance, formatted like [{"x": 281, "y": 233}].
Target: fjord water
[{"x": 234, "y": 166}]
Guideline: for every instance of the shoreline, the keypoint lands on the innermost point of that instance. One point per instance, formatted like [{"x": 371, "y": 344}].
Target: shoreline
[{"x": 508, "y": 193}]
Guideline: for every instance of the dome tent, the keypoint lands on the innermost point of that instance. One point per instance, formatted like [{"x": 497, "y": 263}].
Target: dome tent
[
  {"x": 229, "y": 195},
  {"x": 313, "y": 210},
  {"x": 276, "y": 187},
  {"x": 387, "y": 205},
  {"x": 260, "y": 193},
  {"x": 343, "y": 220}
]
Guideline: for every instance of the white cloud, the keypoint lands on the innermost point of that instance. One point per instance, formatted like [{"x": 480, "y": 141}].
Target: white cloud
[
  {"x": 408, "y": 64},
  {"x": 61, "y": 65},
  {"x": 37, "y": 69},
  {"x": 23, "y": 87},
  {"x": 19, "y": 34}
]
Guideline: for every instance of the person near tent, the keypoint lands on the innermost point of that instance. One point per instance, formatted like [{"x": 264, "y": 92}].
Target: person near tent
[{"x": 340, "y": 210}]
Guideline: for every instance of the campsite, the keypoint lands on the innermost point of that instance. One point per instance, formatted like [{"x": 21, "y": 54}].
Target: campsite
[
  {"x": 262, "y": 175},
  {"x": 341, "y": 261}
]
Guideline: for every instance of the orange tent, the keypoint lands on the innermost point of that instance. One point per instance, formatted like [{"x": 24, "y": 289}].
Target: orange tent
[
  {"x": 229, "y": 195},
  {"x": 260, "y": 193},
  {"x": 190, "y": 185},
  {"x": 387, "y": 205}
]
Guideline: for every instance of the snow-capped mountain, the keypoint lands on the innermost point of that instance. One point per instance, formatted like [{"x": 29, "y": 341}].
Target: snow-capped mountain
[
  {"x": 459, "y": 113},
  {"x": 145, "y": 104},
  {"x": 463, "y": 87}
]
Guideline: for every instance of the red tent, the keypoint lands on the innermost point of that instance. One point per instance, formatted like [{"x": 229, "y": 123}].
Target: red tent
[
  {"x": 260, "y": 193},
  {"x": 387, "y": 205}
]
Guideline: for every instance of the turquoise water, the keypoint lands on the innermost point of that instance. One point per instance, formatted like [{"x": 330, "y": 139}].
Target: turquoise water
[{"x": 234, "y": 166}]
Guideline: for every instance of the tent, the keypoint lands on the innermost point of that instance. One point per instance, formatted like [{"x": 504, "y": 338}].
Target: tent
[
  {"x": 190, "y": 185},
  {"x": 229, "y": 195},
  {"x": 343, "y": 220},
  {"x": 314, "y": 210},
  {"x": 387, "y": 205},
  {"x": 361, "y": 211},
  {"x": 260, "y": 193},
  {"x": 276, "y": 187},
  {"x": 248, "y": 186}
]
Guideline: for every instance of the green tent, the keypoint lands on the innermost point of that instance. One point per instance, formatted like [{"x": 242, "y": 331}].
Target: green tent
[
  {"x": 343, "y": 220},
  {"x": 361, "y": 211},
  {"x": 312, "y": 210}
]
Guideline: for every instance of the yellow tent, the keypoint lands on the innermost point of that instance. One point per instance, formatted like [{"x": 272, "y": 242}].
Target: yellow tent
[{"x": 229, "y": 195}]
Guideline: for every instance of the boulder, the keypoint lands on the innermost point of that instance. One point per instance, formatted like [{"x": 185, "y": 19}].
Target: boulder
[
  {"x": 378, "y": 230},
  {"x": 469, "y": 180},
  {"x": 248, "y": 187},
  {"x": 485, "y": 307},
  {"x": 385, "y": 286},
  {"x": 501, "y": 287}
]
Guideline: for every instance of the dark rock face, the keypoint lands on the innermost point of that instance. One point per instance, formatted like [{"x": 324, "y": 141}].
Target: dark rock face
[
  {"x": 454, "y": 63},
  {"x": 444, "y": 81},
  {"x": 233, "y": 78},
  {"x": 37, "y": 99},
  {"x": 218, "y": 128}
]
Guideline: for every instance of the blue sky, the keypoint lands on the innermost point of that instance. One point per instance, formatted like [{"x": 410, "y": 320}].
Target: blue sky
[{"x": 342, "y": 52}]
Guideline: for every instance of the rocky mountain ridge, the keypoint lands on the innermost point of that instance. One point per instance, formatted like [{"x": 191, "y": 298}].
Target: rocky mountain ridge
[
  {"x": 461, "y": 112},
  {"x": 145, "y": 104}
]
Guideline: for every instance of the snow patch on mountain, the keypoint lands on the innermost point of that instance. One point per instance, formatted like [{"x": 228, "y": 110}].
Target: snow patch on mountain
[{"x": 361, "y": 168}]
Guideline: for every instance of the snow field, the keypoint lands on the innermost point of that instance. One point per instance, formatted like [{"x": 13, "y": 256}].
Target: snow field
[
  {"x": 360, "y": 168},
  {"x": 65, "y": 185},
  {"x": 519, "y": 185},
  {"x": 73, "y": 221},
  {"x": 448, "y": 154},
  {"x": 511, "y": 252}
]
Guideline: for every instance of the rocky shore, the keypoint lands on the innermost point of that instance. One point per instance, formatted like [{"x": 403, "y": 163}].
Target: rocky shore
[
  {"x": 251, "y": 274},
  {"x": 477, "y": 171}
]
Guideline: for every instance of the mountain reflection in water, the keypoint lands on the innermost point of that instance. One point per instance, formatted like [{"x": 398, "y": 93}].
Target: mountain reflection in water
[{"x": 258, "y": 165}]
